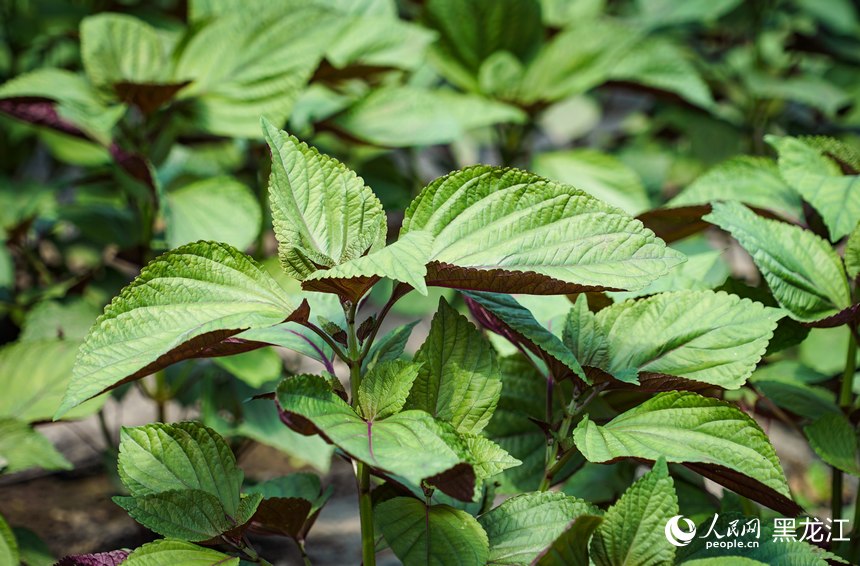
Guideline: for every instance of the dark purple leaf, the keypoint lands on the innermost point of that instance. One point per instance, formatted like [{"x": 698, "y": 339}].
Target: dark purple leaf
[{"x": 112, "y": 558}]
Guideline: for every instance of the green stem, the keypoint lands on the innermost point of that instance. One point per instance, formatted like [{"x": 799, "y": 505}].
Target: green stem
[
  {"x": 555, "y": 463},
  {"x": 845, "y": 401},
  {"x": 362, "y": 472},
  {"x": 305, "y": 558}
]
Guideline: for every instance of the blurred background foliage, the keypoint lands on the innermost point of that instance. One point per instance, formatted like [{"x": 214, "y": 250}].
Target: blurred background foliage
[{"x": 131, "y": 127}]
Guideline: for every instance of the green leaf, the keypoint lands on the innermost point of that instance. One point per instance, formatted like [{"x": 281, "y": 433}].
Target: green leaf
[
  {"x": 178, "y": 552},
  {"x": 262, "y": 423},
  {"x": 50, "y": 320},
  {"x": 35, "y": 376},
  {"x": 76, "y": 100},
  {"x": 571, "y": 547},
  {"x": 710, "y": 337},
  {"x": 709, "y": 436},
  {"x": 22, "y": 448},
  {"x": 291, "y": 505},
  {"x": 704, "y": 270},
  {"x": 405, "y": 116},
  {"x": 256, "y": 368},
  {"x": 253, "y": 61},
  {"x": 389, "y": 347},
  {"x": 599, "y": 174},
  {"x": 383, "y": 41},
  {"x": 488, "y": 458},
  {"x": 725, "y": 561},
  {"x": 188, "y": 514},
  {"x": 324, "y": 215},
  {"x": 507, "y": 230},
  {"x": 384, "y": 389},
  {"x": 522, "y": 527},
  {"x": 574, "y": 61},
  {"x": 791, "y": 386},
  {"x": 808, "y": 89},
  {"x": 8, "y": 544},
  {"x": 220, "y": 208},
  {"x": 513, "y": 427},
  {"x": 410, "y": 444},
  {"x": 33, "y": 550},
  {"x": 852, "y": 253},
  {"x": 471, "y": 31},
  {"x": 667, "y": 13},
  {"x": 659, "y": 63},
  {"x": 459, "y": 377},
  {"x": 182, "y": 303},
  {"x": 803, "y": 272},
  {"x": 119, "y": 48},
  {"x": 404, "y": 260},
  {"x": 834, "y": 439},
  {"x": 820, "y": 182},
  {"x": 160, "y": 458},
  {"x": 797, "y": 397},
  {"x": 755, "y": 181},
  {"x": 632, "y": 529},
  {"x": 586, "y": 338},
  {"x": 435, "y": 535},
  {"x": 518, "y": 324}
]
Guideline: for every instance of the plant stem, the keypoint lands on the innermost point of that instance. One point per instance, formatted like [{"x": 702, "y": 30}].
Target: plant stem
[
  {"x": 365, "y": 511},
  {"x": 554, "y": 463},
  {"x": 845, "y": 401},
  {"x": 305, "y": 558},
  {"x": 362, "y": 472}
]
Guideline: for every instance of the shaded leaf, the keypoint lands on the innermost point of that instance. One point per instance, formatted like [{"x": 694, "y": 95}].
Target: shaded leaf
[
  {"x": 821, "y": 183},
  {"x": 459, "y": 378},
  {"x": 410, "y": 444},
  {"x": 752, "y": 180},
  {"x": 22, "y": 448},
  {"x": 834, "y": 439},
  {"x": 513, "y": 427},
  {"x": 852, "y": 253},
  {"x": 255, "y": 368},
  {"x": 8, "y": 545},
  {"x": 803, "y": 272},
  {"x": 384, "y": 389},
  {"x": 389, "y": 347},
  {"x": 632, "y": 528},
  {"x": 571, "y": 547},
  {"x": 35, "y": 376},
  {"x": 471, "y": 31},
  {"x": 434, "y": 535},
  {"x": 291, "y": 504},
  {"x": 504, "y": 315},
  {"x": 117, "y": 47},
  {"x": 524, "y": 526},
  {"x": 405, "y": 116},
  {"x": 220, "y": 209},
  {"x": 599, "y": 174},
  {"x": 253, "y": 61}
]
